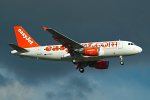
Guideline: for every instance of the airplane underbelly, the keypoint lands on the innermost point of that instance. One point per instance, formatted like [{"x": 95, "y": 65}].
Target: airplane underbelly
[
  {"x": 54, "y": 55},
  {"x": 110, "y": 52}
]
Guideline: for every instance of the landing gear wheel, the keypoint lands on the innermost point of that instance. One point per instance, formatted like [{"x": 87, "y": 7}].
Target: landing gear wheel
[
  {"x": 81, "y": 70},
  {"x": 122, "y": 63},
  {"x": 74, "y": 61}
]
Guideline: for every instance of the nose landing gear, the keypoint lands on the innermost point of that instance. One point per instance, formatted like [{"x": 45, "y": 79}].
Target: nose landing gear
[
  {"x": 121, "y": 60},
  {"x": 122, "y": 63}
]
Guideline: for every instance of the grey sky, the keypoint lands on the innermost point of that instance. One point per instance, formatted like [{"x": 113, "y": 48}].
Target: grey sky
[{"x": 83, "y": 21}]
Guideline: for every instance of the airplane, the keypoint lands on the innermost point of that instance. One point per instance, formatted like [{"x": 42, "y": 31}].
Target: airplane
[{"x": 81, "y": 54}]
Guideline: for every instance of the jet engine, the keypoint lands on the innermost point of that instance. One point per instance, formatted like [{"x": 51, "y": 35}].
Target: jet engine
[
  {"x": 102, "y": 64},
  {"x": 92, "y": 51}
]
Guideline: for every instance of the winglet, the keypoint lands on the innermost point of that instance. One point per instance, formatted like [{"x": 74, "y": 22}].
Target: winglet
[{"x": 45, "y": 28}]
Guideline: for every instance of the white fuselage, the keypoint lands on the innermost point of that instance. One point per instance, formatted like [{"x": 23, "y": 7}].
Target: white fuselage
[{"x": 58, "y": 53}]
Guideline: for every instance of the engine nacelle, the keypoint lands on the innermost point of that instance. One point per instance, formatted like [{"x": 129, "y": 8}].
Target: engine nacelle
[
  {"x": 92, "y": 51},
  {"x": 102, "y": 64}
]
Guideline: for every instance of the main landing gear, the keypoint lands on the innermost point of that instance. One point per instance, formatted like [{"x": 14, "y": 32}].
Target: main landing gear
[
  {"x": 121, "y": 60},
  {"x": 80, "y": 65},
  {"x": 74, "y": 61},
  {"x": 81, "y": 70}
]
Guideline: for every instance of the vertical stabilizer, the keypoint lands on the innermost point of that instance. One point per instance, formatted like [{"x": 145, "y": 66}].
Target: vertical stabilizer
[{"x": 23, "y": 38}]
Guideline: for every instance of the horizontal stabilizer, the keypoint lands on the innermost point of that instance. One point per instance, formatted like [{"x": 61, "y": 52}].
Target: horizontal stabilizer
[{"x": 19, "y": 49}]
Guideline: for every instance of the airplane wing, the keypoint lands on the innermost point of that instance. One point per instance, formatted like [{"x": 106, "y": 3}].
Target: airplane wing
[{"x": 65, "y": 41}]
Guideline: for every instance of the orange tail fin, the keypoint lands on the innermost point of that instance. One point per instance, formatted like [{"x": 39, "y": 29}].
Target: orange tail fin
[{"x": 23, "y": 38}]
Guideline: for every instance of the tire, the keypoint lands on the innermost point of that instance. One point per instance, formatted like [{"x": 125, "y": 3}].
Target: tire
[
  {"x": 122, "y": 63},
  {"x": 81, "y": 70},
  {"x": 74, "y": 61}
]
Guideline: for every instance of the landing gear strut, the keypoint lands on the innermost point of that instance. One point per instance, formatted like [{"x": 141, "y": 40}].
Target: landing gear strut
[
  {"x": 81, "y": 70},
  {"x": 121, "y": 60}
]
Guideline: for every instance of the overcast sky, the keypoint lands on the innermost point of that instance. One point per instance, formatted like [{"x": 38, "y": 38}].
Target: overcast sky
[{"x": 83, "y": 21}]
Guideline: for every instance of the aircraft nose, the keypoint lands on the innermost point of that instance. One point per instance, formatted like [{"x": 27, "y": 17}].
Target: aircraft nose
[{"x": 139, "y": 49}]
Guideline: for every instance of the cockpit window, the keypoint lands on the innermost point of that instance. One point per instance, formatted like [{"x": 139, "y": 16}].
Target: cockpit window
[{"x": 130, "y": 43}]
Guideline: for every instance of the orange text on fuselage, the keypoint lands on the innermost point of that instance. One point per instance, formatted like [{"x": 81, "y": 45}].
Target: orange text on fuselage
[{"x": 99, "y": 44}]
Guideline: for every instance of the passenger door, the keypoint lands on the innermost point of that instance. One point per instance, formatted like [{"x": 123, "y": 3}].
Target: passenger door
[
  {"x": 120, "y": 45},
  {"x": 39, "y": 53}
]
